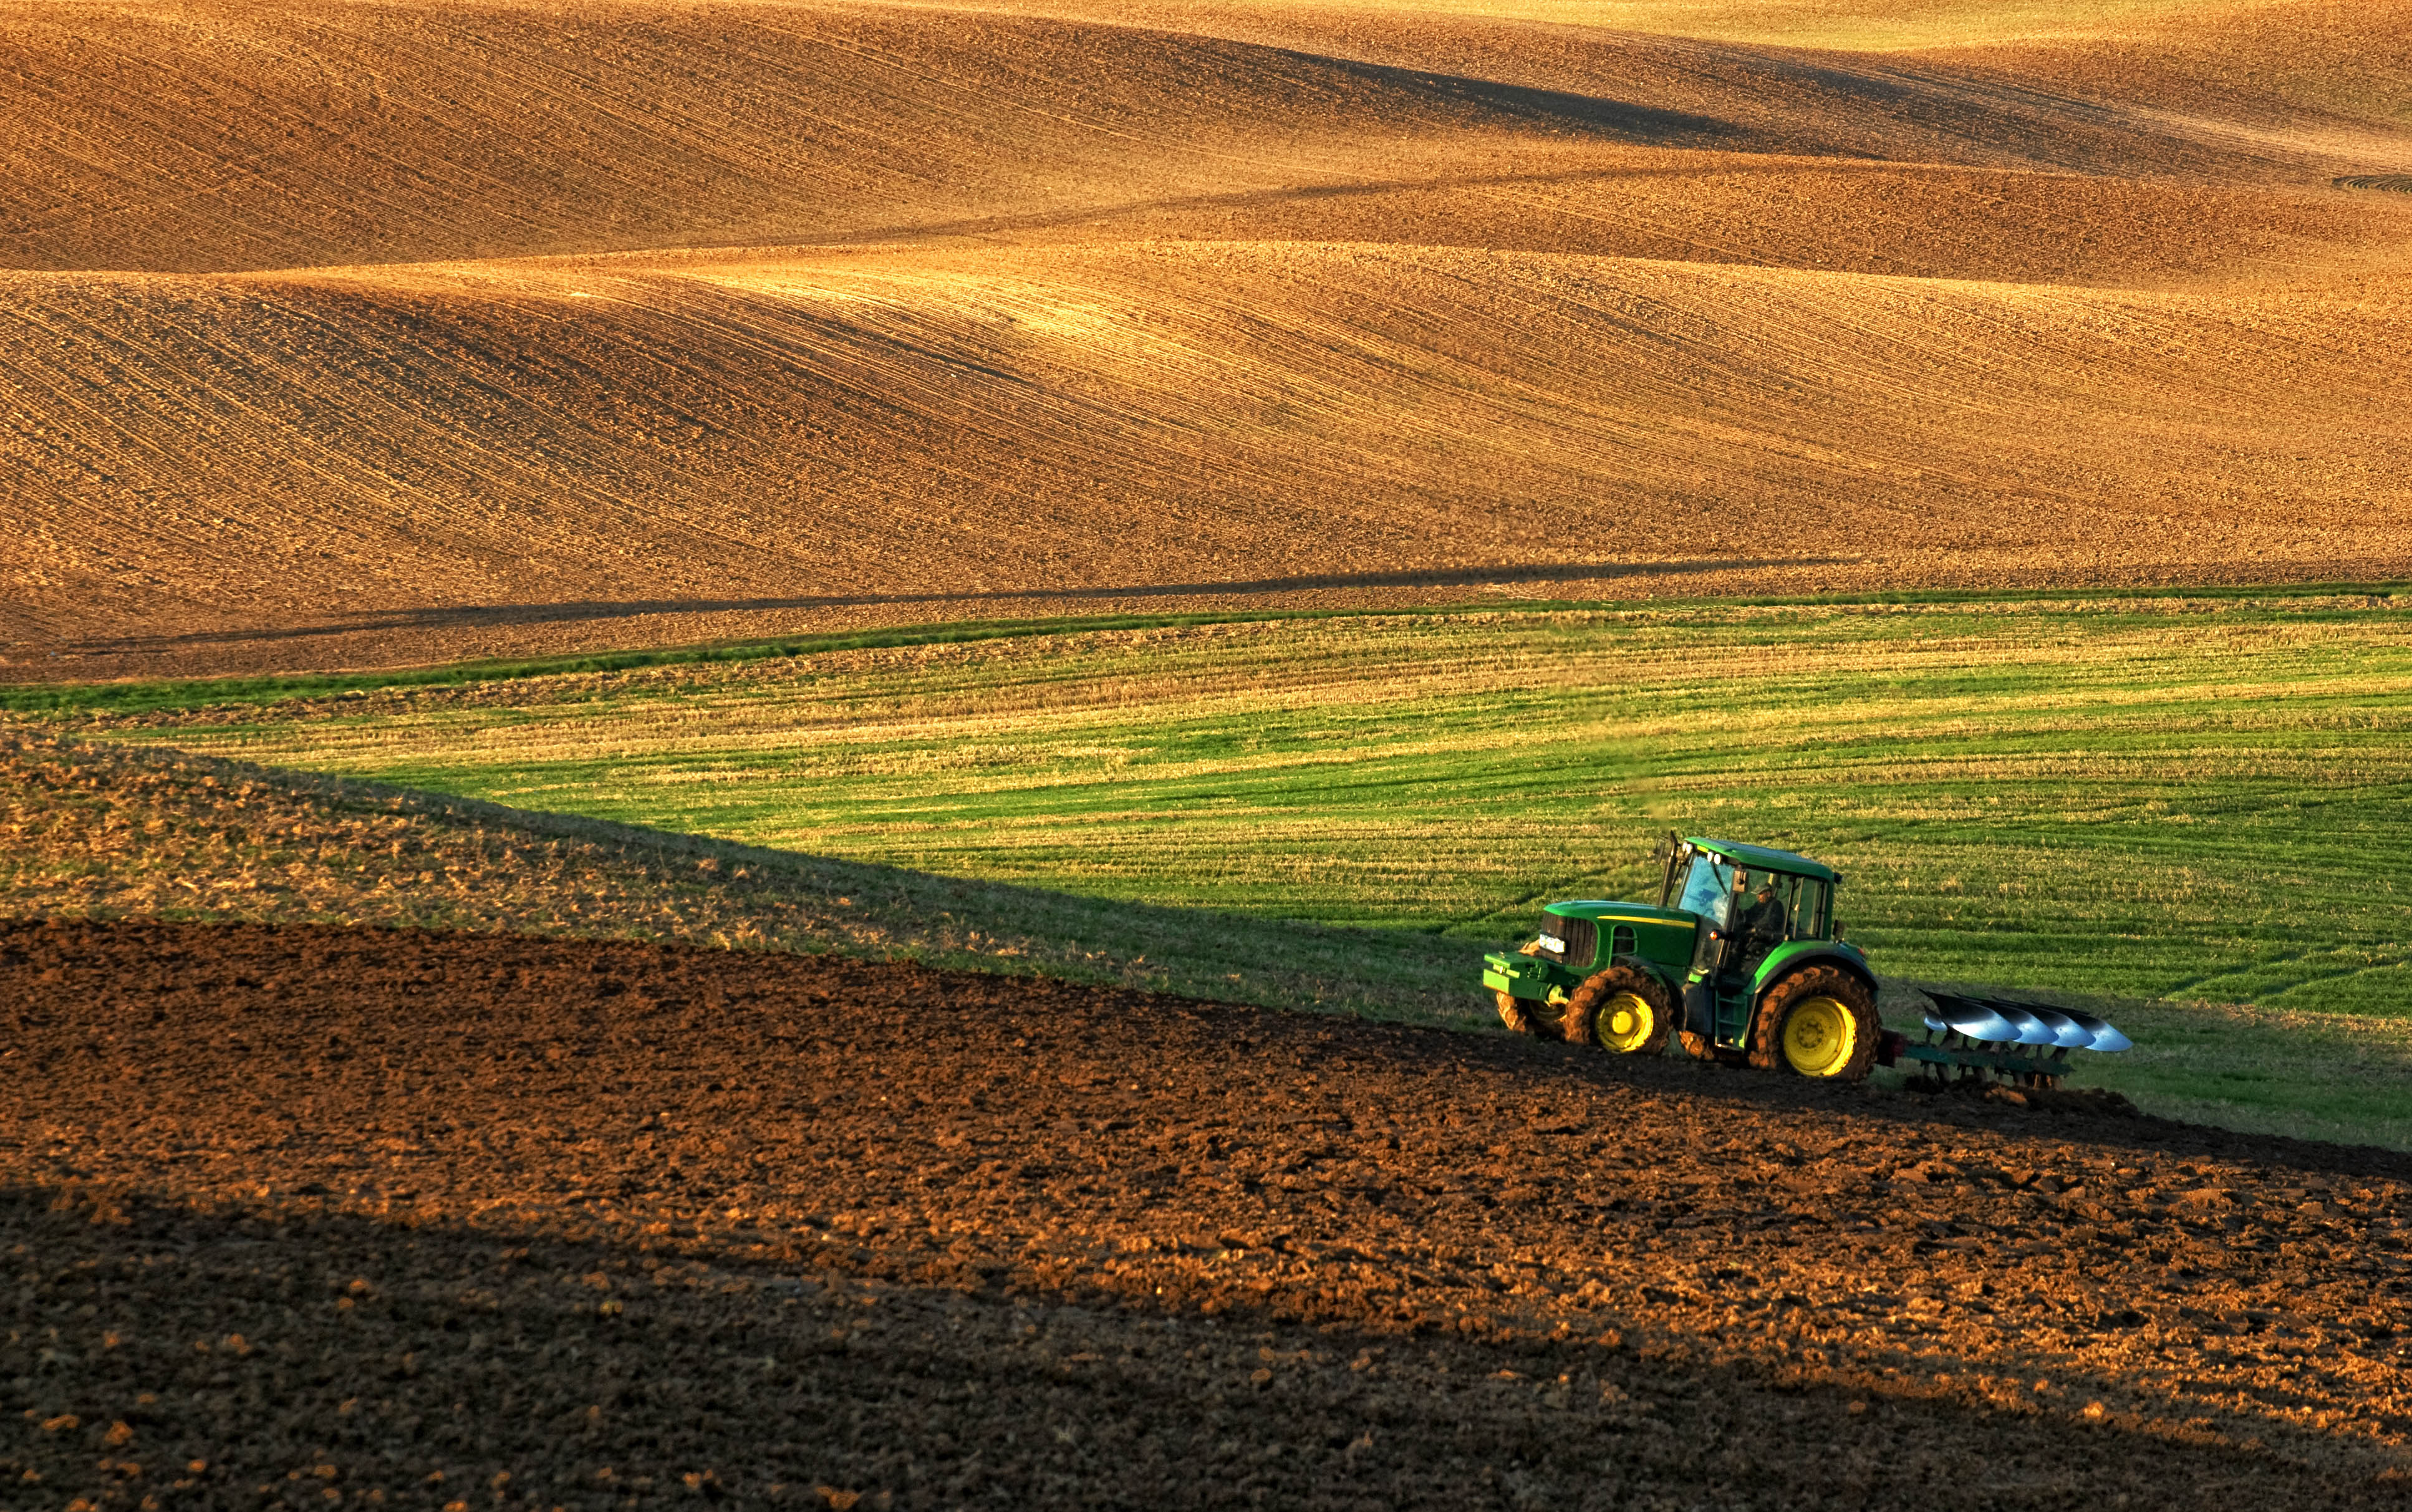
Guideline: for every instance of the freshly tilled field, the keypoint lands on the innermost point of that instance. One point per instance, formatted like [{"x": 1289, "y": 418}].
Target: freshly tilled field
[{"x": 321, "y": 1216}]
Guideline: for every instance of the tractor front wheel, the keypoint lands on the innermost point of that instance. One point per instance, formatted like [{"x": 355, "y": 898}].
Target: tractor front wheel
[
  {"x": 1819, "y": 1022},
  {"x": 1527, "y": 1016},
  {"x": 1622, "y": 1008}
]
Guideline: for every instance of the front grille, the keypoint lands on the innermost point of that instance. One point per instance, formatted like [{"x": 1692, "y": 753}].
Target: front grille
[{"x": 1581, "y": 937}]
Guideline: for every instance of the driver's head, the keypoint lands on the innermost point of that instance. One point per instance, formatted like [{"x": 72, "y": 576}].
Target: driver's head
[{"x": 1767, "y": 892}]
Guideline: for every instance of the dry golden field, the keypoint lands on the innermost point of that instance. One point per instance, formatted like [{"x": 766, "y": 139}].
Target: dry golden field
[{"x": 369, "y": 333}]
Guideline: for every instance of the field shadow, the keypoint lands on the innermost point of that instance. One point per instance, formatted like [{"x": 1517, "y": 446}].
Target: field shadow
[
  {"x": 1592, "y": 114},
  {"x": 478, "y": 616},
  {"x": 415, "y": 1363}
]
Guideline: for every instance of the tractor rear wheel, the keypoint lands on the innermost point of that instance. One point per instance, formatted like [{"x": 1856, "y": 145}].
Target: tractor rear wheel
[
  {"x": 1527, "y": 1016},
  {"x": 1624, "y": 1009},
  {"x": 1819, "y": 1022}
]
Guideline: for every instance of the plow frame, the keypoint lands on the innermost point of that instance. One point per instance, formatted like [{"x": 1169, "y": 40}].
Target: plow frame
[{"x": 1938, "y": 1056}]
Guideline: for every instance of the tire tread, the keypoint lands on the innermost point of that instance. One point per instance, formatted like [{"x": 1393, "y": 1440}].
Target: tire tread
[
  {"x": 1583, "y": 1008},
  {"x": 1767, "y": 1030}
]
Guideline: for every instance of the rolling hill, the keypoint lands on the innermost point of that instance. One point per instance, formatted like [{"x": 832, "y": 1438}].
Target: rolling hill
[{"x": 368, "y": 334}]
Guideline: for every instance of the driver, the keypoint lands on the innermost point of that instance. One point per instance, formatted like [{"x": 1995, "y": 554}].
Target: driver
[{"x": 1763, "y": 924}]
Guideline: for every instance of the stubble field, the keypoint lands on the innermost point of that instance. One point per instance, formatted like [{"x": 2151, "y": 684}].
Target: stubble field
[
  {"x": 2141, "y": 802},
  {"x": 2161, "y": 795}
]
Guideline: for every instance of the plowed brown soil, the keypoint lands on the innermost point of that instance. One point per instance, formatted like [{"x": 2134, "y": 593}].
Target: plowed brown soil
[
  {"x": 232, "y": 134},
  {"x": 369, "y": 333},
  {"x": 310, "y": 1216},
  {"x": 1158, "y": 424}
]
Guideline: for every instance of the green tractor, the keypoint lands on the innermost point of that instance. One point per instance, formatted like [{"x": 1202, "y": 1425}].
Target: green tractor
[{"x": 1741, "y": 959}]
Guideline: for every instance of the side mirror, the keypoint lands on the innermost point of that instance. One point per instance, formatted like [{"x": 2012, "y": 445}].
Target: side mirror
[{"x": 1838, "y": 929}]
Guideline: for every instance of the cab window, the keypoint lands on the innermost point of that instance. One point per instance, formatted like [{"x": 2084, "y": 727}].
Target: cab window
[
  {"x": 1709, "y": 891},
  {"x": 1802, "y": 901}
]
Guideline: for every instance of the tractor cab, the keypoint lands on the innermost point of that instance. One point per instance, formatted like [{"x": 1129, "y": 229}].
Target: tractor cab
[
  {"x": 1758, "y": 908},
  {"x": 1729, "y": 894}
]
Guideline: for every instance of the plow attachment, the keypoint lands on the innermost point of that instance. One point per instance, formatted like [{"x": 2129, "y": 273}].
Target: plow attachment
[{"x": 1977, "y": 1038}]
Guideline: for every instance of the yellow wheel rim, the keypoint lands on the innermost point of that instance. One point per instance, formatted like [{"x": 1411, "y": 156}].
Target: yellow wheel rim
[
  {"x": 1819, "y": 1036},
  {"x": 1626, "y": 1023}
]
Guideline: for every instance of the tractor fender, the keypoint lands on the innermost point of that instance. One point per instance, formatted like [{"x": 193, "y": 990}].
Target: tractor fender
[
  {"x": 1784, "y": 960},
  {"x": 1657, "y": 971}
]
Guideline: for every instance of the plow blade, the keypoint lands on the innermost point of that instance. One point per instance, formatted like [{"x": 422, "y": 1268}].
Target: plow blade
[
  {"x": 2032, "y": 1030},
  {"x": 2105, "y": 1037},
  {"x": 1986, "y": 1037},
  {"x": 2066, "y": 1031},
  {"x": 1992, "y": 1021},
  {"x": 1974, "y": 1022}
]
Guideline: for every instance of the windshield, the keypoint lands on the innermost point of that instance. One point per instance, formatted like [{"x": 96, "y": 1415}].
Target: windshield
[
  {"x": 1708, "y": 891},
  {"x": 1726, "y": 896}
]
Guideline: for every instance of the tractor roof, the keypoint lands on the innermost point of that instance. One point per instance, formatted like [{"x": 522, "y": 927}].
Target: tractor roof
[{"x": 1765, "y": 858}]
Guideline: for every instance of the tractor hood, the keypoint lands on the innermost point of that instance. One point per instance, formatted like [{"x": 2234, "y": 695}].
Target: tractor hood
[{"x": 1622, "y": 913}]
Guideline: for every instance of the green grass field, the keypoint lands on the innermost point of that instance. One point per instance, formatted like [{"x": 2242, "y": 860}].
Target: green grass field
[{"x": 2191, "y": 799}]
